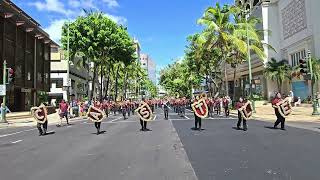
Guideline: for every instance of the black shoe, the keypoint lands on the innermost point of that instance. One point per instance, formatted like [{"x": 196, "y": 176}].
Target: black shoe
[
  {"x": 98, "y": 132},
  {"x": 238, "y": 128},
  {"x": 245, "y": 129},
  {"x": 40, "y": 134},
  {"x": 283, "y": 129},
  {"x": 141, "y": 129},
  {"x": 146, "y": 129},
  {"x": 58, "y": 125},
  {"x": 275, "y": 127}
]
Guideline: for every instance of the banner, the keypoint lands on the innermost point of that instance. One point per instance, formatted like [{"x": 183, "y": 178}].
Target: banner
[
  {"x": 144, "y": 112},
  {"x": 95, "y": 114},
  {"x": 200, "y": 108},
  {"x": 40, "y": 114}
]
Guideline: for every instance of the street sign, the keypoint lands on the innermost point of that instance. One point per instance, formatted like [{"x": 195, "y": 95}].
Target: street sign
[
  {"x": 2, "y": 90},
  {"x": 24, "y": 90}
]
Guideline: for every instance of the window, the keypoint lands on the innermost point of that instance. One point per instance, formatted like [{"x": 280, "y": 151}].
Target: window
[
  {"x": 54, "y": 50},
  {"x": 58, "y": 82},
  {"x": 295, "y": 57}
]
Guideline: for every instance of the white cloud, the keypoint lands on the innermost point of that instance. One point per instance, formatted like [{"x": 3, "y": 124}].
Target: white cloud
[
  {"x": 74, "y": 3},
  {"x": 111, "y": 3},
  {"x": 117, "y": 19},
  {"x": 52, "y": 6},
  {"x": 55, "y": 29}
]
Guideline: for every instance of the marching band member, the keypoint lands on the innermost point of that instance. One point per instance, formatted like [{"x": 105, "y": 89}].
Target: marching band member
[
  {"x": 124, "y": 109},
  {"x": 98, "y": 105},
  {"x": 166, "y": 109},
  {"x": 217, "y": 105},
  {"x": 42, "y": 127},
  {"x": 225, "y": 104},
  {"x": 144, "y": 123},
  {"x": 280, "y": 119},
  {"x": 240, "y": 118},
  {"x": 197, "y": 120}
]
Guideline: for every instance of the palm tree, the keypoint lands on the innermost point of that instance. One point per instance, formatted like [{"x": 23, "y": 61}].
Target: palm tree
[{"x": 278, "y": 71}]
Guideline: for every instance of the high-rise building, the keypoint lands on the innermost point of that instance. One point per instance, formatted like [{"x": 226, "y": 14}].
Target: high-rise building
[
  {"x": 25, "y": 47},
  {"x": 150, "y": 66},
  {"x": 292, "y": 28}
]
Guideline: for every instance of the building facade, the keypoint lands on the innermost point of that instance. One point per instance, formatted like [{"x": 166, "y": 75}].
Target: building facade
[
  {"x": 25, "y": 47},
  {"x": 62, "y": 87},
  {"x": 150, "y": 66},
  {"x": 292, "y": 29}
]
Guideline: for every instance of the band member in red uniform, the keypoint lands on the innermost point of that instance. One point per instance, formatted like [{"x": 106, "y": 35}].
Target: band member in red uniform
[
  {"x": 240, "y": 118},
  {"x": 98, "y": 105},
  {"x": 225, "y": 104},
  {"x": 197, "y": 119},
  {"x": 144, "y": 123},
  {"x": 280, "y": 119}
]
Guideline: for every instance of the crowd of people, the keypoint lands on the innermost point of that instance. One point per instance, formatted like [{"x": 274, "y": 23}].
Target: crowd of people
[{"x": 214, "y": 105}]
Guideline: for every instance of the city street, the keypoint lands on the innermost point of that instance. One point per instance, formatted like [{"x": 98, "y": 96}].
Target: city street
[{"x": 124, "y": 152}]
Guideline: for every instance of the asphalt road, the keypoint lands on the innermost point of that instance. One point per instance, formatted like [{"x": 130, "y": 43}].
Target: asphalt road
[{"x": 171, "y": 151}]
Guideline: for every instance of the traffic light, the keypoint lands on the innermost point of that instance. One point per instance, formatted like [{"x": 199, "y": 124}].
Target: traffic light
[
  {"x": 303, "y": 66},
  {"x": 10, "y": 75}
]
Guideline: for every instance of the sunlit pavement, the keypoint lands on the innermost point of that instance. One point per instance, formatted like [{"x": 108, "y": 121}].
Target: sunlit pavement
[{"x": 123, "y": 152}]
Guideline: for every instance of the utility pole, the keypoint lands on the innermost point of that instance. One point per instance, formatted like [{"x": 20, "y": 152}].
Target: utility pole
[
  {"x": 4, "y": 107},
  {"x": 249, "y": 61},
  {"x": 68, "y": 68}
]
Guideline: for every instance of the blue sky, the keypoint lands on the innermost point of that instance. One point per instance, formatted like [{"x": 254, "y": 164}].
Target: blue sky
[{"x": 161, "y": 26}]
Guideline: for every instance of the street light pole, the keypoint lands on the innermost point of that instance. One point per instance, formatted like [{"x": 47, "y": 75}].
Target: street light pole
[
  {"x": 3, "y": 106},
  {"x": 249, "y": 61},
  {"x": 68, "y": 68}
]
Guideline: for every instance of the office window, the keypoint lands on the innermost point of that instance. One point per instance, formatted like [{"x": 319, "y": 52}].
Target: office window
[
  {"x": 58, "y": 82},
  {"x": 295, "y": 57}
]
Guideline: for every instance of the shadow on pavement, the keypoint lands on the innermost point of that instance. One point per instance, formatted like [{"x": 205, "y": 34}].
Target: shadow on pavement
[
  {"x": 101, "y": 132},
  {"x": 270, "y": 127},
  {"x": 49, "y": 133}
]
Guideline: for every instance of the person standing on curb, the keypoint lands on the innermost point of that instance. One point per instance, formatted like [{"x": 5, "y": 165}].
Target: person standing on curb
[{"x": 63, "y": 112}]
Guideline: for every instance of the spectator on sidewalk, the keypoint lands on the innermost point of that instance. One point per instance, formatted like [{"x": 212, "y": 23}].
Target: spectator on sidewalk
[{"x": 63, "y": 112}]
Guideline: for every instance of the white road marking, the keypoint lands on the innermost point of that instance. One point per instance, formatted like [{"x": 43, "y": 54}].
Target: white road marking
[
  {"x": 14, "y": 142},
  {"x": 179, "y": 119},
  {"x": 155, "y": 117},
  {"x": 116, "y": 119},
  {"x": 189, "y": 110},
  {"x": 222, "y": 118},
  {"x": 187, "y": 117},
  {"x": 5, "y": 135}
]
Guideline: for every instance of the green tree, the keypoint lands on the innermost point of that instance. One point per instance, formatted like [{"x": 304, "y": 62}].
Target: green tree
[
  {"x": 100, "y": 40},
  {"x": 278, "y": 71}
]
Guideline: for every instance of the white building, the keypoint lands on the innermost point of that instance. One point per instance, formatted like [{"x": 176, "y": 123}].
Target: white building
[
  {"x": 78, "y": 78},
  {"x": 295, "y": 29},
  {"x": 150, "y": 66}
]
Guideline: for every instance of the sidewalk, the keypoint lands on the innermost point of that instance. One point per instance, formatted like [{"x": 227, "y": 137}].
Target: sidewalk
[{"x": 29, "y": 121}]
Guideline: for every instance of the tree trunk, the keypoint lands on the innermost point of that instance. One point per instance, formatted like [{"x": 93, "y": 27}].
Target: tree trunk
[
  {"x": 107, "y": 85},
  {"x": 93, "y": 81},
  {"x": 279, "y": 86},
  {"x": 125, "y": 85},
  {"x": 226, "y": 79},
  {"x": 234, "y": 83},
  {"x": 116, "y": 85},
  {"x": 101, "y": 79}
]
